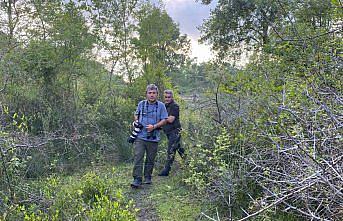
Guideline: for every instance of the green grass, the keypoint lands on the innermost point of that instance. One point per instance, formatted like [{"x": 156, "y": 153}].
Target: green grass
[
  {"x": 100, "y": 191},
  {"x": 174, "y": 201},
  {"x": 171, "y": 199},
  {"x": 95, "y": 192}
]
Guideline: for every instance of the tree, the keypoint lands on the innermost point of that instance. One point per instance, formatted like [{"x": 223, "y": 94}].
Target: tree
[
  {"x": 11, "y": 25},
  {"x": 160, "y": 46},
  {"x": 281, "y": 115},
  {"x": 241, "y": 23},
  {"x": 191, "y": 78},
  {"x": 113, "y": 24}
]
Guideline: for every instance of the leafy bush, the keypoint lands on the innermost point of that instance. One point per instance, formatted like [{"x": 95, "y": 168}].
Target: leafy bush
[
  {"x": 90, "y": 198},
  {"x": 106, "y": 209}
]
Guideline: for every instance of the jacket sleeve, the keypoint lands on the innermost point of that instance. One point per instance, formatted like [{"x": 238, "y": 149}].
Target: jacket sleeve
[{"x": 174, "y": 111}]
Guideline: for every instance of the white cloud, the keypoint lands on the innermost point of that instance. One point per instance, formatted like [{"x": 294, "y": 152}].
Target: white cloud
[
  {"x": 200, "y": 51},
  {"x": 177, "y": 2},
  {"x": 190, "y": 14}
]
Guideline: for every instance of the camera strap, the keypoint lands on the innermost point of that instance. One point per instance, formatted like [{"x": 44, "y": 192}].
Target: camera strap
[
  {"x": 146, "y": 105},
  {"x": 140, "y": 113}
]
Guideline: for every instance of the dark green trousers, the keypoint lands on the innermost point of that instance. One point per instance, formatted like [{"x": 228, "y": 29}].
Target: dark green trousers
[{"x": 149, "y": 150}]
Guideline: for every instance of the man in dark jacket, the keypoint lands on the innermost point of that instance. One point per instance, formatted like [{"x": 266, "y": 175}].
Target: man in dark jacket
[{"x": 173, "y": 131}]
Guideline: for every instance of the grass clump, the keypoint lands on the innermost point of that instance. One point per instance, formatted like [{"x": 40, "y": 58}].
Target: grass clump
[
  {"x": 174, "y": 201},
  {"x": 92, "y": 196}
]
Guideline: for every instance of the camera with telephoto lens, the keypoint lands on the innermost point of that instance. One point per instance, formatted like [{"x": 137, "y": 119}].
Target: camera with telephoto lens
[{"x": 137, "y": 127}]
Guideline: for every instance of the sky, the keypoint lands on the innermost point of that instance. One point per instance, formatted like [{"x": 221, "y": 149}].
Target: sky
[{"x": 189, "y": 14}]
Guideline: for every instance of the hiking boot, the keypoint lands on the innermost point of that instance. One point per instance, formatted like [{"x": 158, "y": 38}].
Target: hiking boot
[
  {"x": 147, "y": 180},
  {"x": 137, "y": 182},
  {"x": 164, "y": 172}
]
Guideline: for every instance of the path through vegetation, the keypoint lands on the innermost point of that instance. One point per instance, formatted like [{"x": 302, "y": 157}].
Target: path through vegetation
[
  {"x": 166, "y": 199},
  {"x": 144, "y": 203}
]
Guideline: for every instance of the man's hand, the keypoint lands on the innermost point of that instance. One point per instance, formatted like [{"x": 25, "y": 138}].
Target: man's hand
[
  {"x": 170, "y": 119},
  {"x": 131, "y": 140},
  {"x": 150, "y": 127}
]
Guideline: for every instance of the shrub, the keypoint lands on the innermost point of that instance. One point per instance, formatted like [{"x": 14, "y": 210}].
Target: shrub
[{"x": 89, "y": 198}]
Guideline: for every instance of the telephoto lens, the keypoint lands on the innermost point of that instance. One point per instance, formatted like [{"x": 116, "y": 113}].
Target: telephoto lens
[{"x": 137, "y": 127}]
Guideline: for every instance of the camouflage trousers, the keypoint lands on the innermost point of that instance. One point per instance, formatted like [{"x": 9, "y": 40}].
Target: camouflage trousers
[{"x": 174, "y": 145}]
